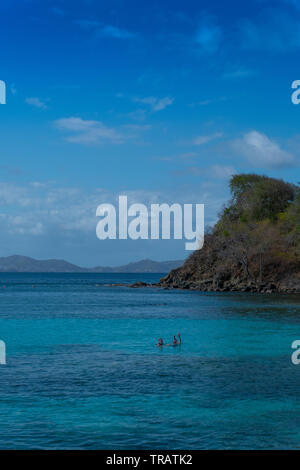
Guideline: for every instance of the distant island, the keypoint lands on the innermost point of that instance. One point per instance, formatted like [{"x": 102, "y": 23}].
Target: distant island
[
  {"x": 255, "y": 245},
  {"x": 25, "y": 264}
]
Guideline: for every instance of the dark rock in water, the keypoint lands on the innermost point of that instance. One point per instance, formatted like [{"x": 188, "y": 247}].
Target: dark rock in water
[
  {"x": 114, "y": 284},
  {"x": 121, "y": 284},
  {"x": 135, "y": 285},
  {"x": 139, "y": 284}
]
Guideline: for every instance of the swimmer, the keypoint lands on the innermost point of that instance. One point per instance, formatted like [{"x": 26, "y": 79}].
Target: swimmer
[{"x": 175, "y": 341}]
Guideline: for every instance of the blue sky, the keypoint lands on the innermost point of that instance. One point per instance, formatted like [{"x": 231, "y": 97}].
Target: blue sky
[{"x": 161, "y": 100}]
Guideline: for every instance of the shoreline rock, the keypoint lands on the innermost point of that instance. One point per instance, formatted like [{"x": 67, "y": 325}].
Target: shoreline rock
[
  {"x": 138, "y": 284},
  {"x": 203, "y": 286},
  {"x": 208, "y": 285}
]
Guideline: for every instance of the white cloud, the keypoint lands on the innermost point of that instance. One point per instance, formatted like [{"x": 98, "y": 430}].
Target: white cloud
[
  {"x": 60, "y": 222},
  {"x": 11, "y": 194},
  {"x": 70, "y": 211},
  {"x": 157, "y": 104},
  {"x": 37, "y": 184},
  {"x": 24, "y": 225},
  {"x": 204, "y": 139},
  {"x": 95, "y": 132},
  {"x": 39, "y": 208},
  {"x": 36, "y": 102},
  {"x": 162, "y": 104},
  {"x": 222, "y": 171},
  {"x": 88, "y": 132},
  {"x": 261, "y": 151}
]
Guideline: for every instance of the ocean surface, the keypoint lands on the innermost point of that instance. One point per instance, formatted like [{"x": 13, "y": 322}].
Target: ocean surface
[{"x": 83, "y": 371}]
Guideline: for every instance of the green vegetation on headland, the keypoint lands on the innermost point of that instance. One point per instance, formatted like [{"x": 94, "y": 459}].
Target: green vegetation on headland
[{"x": 254, "y": 246}]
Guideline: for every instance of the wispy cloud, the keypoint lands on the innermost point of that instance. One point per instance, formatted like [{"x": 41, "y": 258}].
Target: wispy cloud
[
  {"x": 273, "y": 30},
  {"x": 180, "y": 156},
  {"x": 213, "y": 172},
  {"x": 66, "y": 212},
  {"x": 207, "y": 101},
  {"x": 204, "y": 139},
  {"x": 156, "y": 104},
  {"x": 115, "y": 32},
  {"x": 39, "y": 208},
  {"x": 95, "y": 132},
  {"x": 88, "y": 132},
  {"x": 222, "y": 171},
  {"x": 108, "y": 30},
  {"x": 240, "y": 72},
  {"x": 137, "y": 115},
  {"x": 201, "y": 103},
  {"x": 13, "y": 89},
  {"x": 208, "y": 35},
  {"x": 36, "y": 102},
  {"x": 261, "y": 151}
]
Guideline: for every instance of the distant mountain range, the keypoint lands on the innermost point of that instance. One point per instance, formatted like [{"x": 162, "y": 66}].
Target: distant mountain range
[{"x": 22, "y": 264}]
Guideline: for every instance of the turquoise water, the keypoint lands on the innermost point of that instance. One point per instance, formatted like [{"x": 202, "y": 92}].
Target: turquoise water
[{"x": 83, "y": 371}]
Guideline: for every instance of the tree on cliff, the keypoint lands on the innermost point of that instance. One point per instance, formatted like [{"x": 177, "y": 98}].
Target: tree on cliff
[
  {"x": 257, "y": 198},
  {"x": 249, "y": 221}
]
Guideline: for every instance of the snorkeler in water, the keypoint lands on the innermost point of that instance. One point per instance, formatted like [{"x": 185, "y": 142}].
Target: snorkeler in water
[
  {"x": 179, "y": 338},
  {"x": 175, "y": 341}
]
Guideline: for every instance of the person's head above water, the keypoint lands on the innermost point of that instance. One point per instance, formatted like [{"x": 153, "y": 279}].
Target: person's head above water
[
  {"x": 174, "y": 339},
  {"x": 160, "y": 342}
]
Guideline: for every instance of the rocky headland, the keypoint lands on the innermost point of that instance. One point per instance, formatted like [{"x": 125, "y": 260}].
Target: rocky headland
[{"x": 254, "y": 246}]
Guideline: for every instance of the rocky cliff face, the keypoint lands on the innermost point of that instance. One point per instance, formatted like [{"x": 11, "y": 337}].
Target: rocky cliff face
[
  {"x": 254, "y": 247},
  {"x": 203, "y": 271}
]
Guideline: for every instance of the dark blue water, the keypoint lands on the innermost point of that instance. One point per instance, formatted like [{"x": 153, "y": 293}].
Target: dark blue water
[{"x": 83, "y": 371}]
